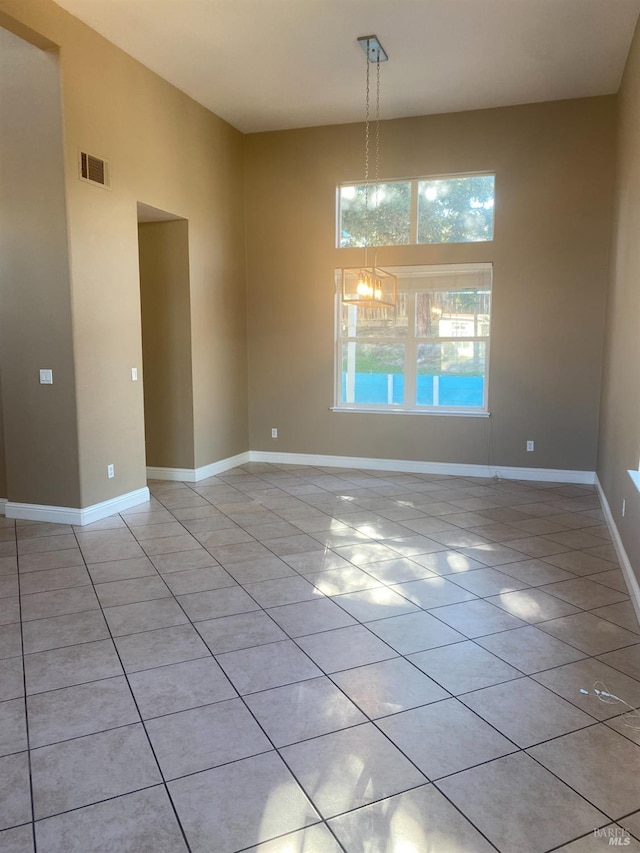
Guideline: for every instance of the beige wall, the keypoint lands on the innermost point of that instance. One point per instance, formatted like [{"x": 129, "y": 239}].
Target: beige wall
[
  {"x": 554, "y": 177},
  {"x": 166, "y": 343},
  {"x": 168, "y": 152},
  {"x": 619, "y": 448},
  {"x": 35, "y": 302}
]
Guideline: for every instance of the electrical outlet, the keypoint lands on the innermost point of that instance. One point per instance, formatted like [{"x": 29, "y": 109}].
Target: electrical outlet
[
  {"x": 274, "y": 432},
  {"x": 111, "y": 473},
  {"x": 624, "y": 507},
  {"x": 530, "y": 446}
]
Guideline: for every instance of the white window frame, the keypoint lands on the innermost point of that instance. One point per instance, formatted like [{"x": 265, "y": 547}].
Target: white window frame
[
  {"x": 413, "y": 213},
  {"x": 410, "y": 343}
]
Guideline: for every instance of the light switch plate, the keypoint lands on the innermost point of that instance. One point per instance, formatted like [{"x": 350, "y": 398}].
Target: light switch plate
[
  {"x": 46, "y": 377},
  {"x": 134, "y": 374}
]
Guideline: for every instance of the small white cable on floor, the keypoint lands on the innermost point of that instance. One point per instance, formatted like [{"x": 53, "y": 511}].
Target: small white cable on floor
[{"x": 631, "y": 719}]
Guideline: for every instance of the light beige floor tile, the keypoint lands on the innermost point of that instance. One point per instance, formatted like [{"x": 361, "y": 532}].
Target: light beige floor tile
[
  {"x": 280, "y": 591},
  {"x": 9, "y": 585},
  {"x": 530, "y": 649},
  {"x": 444, "y": 738},
  {"x": 387, "y": 687},
  {"x": 59, "y": 602},
  {"x": 108, "y": 552},
  {"x": 462, "y": 667},
  {"x": 536, "y": 572},
  {"x": 598, "y": 763},
  {"x": 51, "y": 560},
  {"x": 350, "y": 768},
  {"x": 378, "y": 603},
  {"x": 259, "y": 569},
  {"x": 198, "y": 558},
  {"x": 143, "y": 821},
  {"x": 538, "y": 546},
  {"x": 487, "y": 581},
  {"x": 263, "y": 667},
  {"x": 15, "y": 797},
  {"x": 240, "y": 631},
  {"x": 17, "y": 840},
  {"x": 622, "y": 614},
  {"x": 477, "y": 618},
  {"x": 589, "y": 633},
  {"x": 205, "y": 737},
  {"x": 131, "y": 591},
  {"x": 216, "y": 602},
  {"x": 224, "y": 536},
  {"x": 418, "y": 820},
  {"x": 59, "y": 631},
  {"x": 349, "y": 579},
  {"x": 46, "y": 543},
  {"x": 11, "y": 679},
  {"x": 433, "y": 592},
  {"x": 494, "y": 554},
  {"x": 626, "y": 660},
  {"x": 144, "y": 616},
  {"x": 179, "y": 686},
  {"x": 532, "y": 605},
  {"x": 310, "y": 617},
  {"x": 135, "y": 567},
  {"x": 155, "y": 547},
  {"x": 591, "y": 674},
  {"x": 80, "y": 710},
  {"x": 260, "y": 789},
  {"x": 159, "y": 647},
  {"x": 86, "y": 770},
  {"x": 313, "y": 839},
  {"x": 584, "y": 593},
  {"x": 160, "y": 530},
  {"x": 305, "y": 710},
  {"x": 414, "y": 632},
  {"x": 316, "y": 561},
  {"x": 526, "y": 712},
  {"x": 198, "y": 580},
  {"x": 579, "y": 563},
  {"x": 32, "y": 582},
  {"x": 345, "y": 648},
  {"x": 71, "y": 665},
  {"x": 9, "y": 610},
  {"x": 519, "y": 806},
  {"x": 13, "y": 727},
  {"x": 229, "y": 555}
]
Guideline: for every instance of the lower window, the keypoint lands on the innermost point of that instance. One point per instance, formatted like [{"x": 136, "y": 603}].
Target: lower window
[{"x": 428, "y": 354}]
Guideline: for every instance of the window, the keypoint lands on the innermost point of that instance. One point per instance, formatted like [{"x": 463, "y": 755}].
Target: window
[
  {"x": 429, "y": 354},
  {"x": 455, "y": 209}
]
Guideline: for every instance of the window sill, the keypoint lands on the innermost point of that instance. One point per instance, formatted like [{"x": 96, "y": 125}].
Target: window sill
[{"x": 455, "y": 413}]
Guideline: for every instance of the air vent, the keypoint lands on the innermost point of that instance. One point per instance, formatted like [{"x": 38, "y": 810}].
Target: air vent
[{"x": 95, "y": 170}]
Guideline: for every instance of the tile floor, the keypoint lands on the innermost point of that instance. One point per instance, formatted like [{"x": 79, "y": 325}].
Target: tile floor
[{"x": 301, "y": 660}]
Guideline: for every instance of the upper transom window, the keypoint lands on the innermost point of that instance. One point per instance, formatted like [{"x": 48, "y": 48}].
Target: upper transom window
[{"x": 454, "y": 209}]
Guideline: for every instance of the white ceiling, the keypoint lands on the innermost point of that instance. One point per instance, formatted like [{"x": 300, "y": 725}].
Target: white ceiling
[{"x": 274, "y": 64}]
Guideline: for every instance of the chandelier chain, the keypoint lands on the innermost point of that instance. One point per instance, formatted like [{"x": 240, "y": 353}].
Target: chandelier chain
[{"x": 366, "y": 156}]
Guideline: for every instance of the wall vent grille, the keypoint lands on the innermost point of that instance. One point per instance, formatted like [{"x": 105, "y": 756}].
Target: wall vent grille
[{"x": 95, "y": 171}]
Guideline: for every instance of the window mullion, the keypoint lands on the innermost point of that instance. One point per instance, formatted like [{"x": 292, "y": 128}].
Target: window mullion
[
  {"x": 413, "y": 222},
  {"x": 410, "y": 355}
]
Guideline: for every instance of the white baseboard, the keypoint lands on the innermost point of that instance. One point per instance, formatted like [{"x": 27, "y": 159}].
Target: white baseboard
[
  {"x": 408, "y": 466},
  {"x": 194, "y": 475},
  {"x": 625, "y": 563},
  {"x": 71, "y": 515}
]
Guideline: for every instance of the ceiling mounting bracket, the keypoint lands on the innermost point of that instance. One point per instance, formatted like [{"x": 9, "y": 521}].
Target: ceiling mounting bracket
[{"x": 373, "y": 49}]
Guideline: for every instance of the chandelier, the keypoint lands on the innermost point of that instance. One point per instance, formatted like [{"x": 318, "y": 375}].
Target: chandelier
[{"x": 368, "y": 285}]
